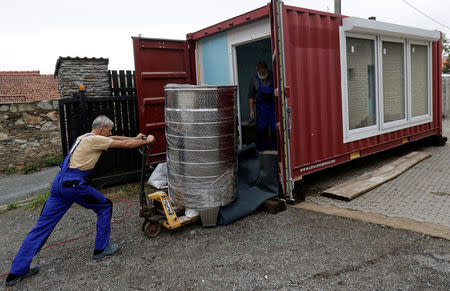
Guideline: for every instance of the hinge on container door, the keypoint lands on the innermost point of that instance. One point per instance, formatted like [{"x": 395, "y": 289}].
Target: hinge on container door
[{"x": 289, "y": 125}]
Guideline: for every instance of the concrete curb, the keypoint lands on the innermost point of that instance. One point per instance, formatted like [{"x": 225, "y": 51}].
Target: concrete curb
[
  {"x": 18, "y": 203},
  {"x": 426, "y": 228}
]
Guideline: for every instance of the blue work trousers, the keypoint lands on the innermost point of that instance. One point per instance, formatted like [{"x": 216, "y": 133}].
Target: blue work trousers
[
  {"x": 59, "y": 201},
  {"x": 265, "y": 120}
]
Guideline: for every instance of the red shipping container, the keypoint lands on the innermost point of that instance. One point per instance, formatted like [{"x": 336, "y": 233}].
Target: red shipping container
[{"x": 315, "y": 57}]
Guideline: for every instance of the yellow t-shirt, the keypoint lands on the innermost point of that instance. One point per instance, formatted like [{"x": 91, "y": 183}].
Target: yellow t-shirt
[{"x": 88, "y": 151}]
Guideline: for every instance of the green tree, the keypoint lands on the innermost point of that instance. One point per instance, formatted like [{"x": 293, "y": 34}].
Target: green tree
[
  {"x": 445, "y": 45},
  {"x": 446, "y": 67},
  {"x": 446, "y": 53}
]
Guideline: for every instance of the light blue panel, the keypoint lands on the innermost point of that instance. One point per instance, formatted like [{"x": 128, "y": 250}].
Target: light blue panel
[{"x": 215, "y": 60}]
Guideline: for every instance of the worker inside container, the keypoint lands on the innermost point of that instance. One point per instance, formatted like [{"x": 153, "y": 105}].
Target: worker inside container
[{"x": 261, "y": 96}]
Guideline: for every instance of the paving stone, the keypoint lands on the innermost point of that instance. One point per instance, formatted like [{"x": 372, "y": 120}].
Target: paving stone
[{"x": 414, "y": 194}]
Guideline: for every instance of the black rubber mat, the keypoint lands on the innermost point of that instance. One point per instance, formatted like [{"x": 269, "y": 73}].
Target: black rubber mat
[{"x": 256, "y": 182}]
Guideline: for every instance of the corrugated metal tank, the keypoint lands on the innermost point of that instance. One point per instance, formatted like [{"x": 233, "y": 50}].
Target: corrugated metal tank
[{"x": 201, "y": 144}]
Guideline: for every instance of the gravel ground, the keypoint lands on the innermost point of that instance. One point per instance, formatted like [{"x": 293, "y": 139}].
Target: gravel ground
[{"x": 295, "y": 249}]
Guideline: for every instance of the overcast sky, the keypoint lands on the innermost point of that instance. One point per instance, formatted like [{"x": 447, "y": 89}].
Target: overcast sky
[{"x": 33, "y": 34}]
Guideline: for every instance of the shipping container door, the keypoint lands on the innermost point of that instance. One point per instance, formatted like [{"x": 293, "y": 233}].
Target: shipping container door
[
  {"x": 158, "y": 62},
  {"x": 282, "y": 110}
]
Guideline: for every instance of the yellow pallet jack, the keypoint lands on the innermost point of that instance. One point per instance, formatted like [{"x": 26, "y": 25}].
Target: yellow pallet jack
[
  {"x": 164, "y": 214},
  {"x": 156, "y": 208}
]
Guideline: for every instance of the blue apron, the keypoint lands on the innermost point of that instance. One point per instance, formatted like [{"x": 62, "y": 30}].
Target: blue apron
[
  {"x": 265, "y": 117},
  {"x": 69, "y": 186}
]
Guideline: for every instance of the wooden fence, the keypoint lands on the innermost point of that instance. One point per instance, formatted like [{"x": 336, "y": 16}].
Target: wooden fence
[
  {"x": 122, "y": 83},
  {"x": 115, "y": 166}
]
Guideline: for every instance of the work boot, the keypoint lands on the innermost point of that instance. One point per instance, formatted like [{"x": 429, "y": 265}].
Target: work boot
[
  {"x": 14, "y": 279},
  {"x": 109, "y": 250}
]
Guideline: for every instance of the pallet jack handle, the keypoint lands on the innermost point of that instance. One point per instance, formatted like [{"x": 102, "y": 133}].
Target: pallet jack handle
[{"x": 146, "y": 152}]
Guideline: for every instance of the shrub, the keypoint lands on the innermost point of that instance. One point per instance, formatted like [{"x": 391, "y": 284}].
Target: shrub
[
  {"x": 52, "y": 161},
  {"x": 11, "y": 206},
  {"x": 11, "y": 171},
  {"x": 31, "y": 168},
  {"x": 38, "y": 201}
]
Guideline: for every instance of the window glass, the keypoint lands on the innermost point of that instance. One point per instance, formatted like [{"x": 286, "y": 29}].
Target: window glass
[
  {"x": 419, "y": 79},
  {"x": 393, "y": 81},
  {"x": 361, "y": 82}
]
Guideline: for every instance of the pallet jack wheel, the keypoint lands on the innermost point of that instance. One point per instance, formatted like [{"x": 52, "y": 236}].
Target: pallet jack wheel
[{"x": 151, "y": 228}]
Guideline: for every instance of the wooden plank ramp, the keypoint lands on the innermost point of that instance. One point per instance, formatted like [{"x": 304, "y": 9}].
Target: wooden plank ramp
[{"x": 356, "y": 187}]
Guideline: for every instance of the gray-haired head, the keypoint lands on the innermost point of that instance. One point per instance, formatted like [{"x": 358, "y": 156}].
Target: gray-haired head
[
  {"x": 100, "y": 121},
  {"x": 261, "y": 65}
]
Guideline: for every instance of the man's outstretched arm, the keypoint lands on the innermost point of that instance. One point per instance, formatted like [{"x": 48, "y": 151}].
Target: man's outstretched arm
[
  {"x": 130, "y": 142},
  {"x": 119, "y": 137}
]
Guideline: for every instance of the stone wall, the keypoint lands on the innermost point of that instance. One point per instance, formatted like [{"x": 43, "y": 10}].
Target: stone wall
[
  {"x": 91, "y": 72},
  {"x": 29, "y": 132}
]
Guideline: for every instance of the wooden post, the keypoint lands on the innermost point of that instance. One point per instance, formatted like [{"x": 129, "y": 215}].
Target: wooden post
[
  {"x": 62, "y": 123},
  {"x": 83, "y": 113}
]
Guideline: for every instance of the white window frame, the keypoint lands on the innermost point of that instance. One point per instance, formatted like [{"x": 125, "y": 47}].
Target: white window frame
[
  {"x": 396, "y": 124},
  {"x": 358, "y": 133},
  {"x": 381, "y": 127},
  {"x": 417, "y": 120}
]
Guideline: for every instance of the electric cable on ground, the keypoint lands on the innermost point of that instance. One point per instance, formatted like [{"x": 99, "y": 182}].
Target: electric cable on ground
[{"x": 111, "y": 196}]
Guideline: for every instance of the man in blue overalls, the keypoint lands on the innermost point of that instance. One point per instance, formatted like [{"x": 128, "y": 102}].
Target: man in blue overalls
[
  {"x": 262, "y": 90},
  {"x": 70, "y": 186}
]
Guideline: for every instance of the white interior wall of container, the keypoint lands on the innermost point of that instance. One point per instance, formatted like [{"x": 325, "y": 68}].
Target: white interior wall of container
[{"x": 216, "y": 58}]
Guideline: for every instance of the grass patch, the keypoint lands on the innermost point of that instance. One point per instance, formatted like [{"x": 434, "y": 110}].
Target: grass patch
[
  {"x": 45, "y": 162},
  {"x": 52, "y": 161},
  {"x": 38, "y": 201},
  {"x": 10, "y": 171},
  {"x": 11, "y": 206},
  {"x": 31, "y": 168},
  {"x": 127, "y": 190},
  {"x": 130, "y": 190}
]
